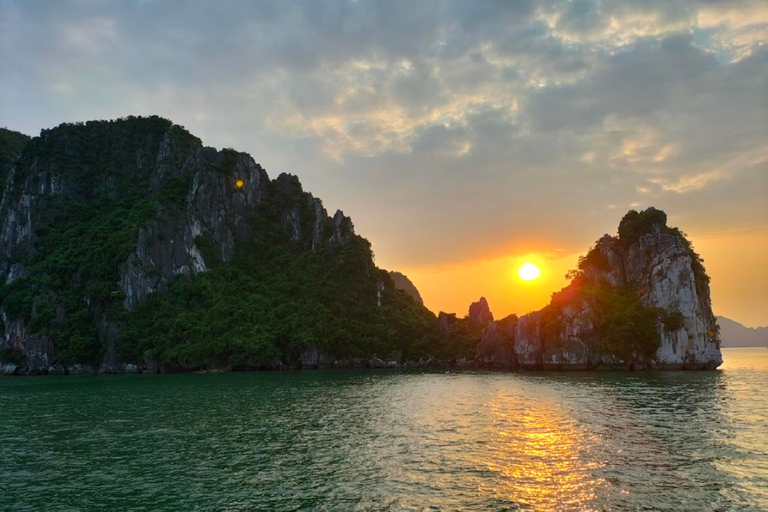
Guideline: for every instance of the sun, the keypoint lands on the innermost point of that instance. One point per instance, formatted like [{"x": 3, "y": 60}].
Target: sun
[{"x": 529, "y": 272}]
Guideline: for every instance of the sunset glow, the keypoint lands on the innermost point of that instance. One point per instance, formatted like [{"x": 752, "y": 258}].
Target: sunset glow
[
  {"x": 529, "y": 272},
  {"x": 451, "y": 288}
]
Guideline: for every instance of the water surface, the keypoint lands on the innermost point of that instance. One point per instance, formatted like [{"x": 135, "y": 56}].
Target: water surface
[{"x": 389, "y": 440}]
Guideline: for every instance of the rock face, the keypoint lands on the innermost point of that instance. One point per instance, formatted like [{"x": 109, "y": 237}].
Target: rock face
[
  {"x": 496, "y": 347},
  {"x": 403, "y": 283},
  {"x": 100, "y": 221},
  {"x": 205, "y": 200},
  {"x": 652, "y": 273},
  {"x": 168, "y": 246}
]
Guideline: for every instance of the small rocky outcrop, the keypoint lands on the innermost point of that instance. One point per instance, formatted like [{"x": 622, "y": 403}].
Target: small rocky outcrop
[
  {"x": 445, "y": 322},
  {"x": 496, "y": 337},
  {"x": 496, "y": 347},
  {"x": 480, "y": 312}
]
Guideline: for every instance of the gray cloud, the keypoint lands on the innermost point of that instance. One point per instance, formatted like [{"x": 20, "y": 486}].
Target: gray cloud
[{"x": 447, "y": 129}]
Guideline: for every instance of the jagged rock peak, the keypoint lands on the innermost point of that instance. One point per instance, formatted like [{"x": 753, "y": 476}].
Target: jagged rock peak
[
  {"x": 480, "y": 312},
  {"x": 343, "y": 228}
]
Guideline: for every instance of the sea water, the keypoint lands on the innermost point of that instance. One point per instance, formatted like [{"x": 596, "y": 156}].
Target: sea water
[{"x": 389, "y": 440}]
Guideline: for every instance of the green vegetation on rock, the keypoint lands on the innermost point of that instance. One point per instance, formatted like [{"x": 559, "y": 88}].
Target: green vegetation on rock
[
  {"x": 127, "y": 241},
  {"x": 636, "y": 224},
  {"x": 274, "y": 301},
  {"x": 673, "y": 321},
  {"x": 623, "y": 327},
  {"x": 97, "y": 183},
  {"x": 11, "y": 144},
  {"x": 95, "y": 179}
]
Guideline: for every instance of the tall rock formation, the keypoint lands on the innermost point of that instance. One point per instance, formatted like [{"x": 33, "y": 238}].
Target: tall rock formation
[
  {"x": 480, "y": 312},
  {"x": 96, "y": 218},
  {"x": 639, "y": 300}
]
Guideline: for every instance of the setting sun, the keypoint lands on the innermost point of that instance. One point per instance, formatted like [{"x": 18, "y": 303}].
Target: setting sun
[{"x": 529, "y": 272}]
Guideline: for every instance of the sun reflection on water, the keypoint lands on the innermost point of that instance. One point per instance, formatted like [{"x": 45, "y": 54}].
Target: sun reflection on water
[{"x": 542, "y": 456}]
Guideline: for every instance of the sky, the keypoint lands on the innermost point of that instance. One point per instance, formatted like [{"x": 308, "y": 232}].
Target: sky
[{"x": 462, "y": 137}]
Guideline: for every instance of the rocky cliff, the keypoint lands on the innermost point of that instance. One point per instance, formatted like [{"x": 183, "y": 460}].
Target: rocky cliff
[
  {"x": 97, "y": 218},
  {"x": 127, "y": 245},
  {"x": 638, "y": 300}
]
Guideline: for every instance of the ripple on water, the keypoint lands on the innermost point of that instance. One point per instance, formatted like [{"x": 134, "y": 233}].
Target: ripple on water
[{"x": 388, "y": 441}]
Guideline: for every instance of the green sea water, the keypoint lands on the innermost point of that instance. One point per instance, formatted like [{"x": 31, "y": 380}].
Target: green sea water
[{"x": 389, "y": 440}]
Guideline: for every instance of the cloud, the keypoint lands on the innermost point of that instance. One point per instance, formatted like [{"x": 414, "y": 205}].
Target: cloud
[
  {"x": 691, "y": 182},
  {"x": 448, "y": 130}
]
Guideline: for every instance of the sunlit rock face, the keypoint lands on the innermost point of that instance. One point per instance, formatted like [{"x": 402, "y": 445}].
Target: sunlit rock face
[
  {"x": 660, "y": 268},
  {"x": 205, "y": 201},
  {"x": 659, "y": 265}
]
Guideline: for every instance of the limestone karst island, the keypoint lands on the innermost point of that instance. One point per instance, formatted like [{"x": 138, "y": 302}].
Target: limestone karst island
[{"x": 128, "y": 246}]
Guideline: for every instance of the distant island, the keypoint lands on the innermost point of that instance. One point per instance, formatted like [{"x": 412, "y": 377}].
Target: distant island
[
  {"x": 129, "y": 246},
  {"x": 733, "y": 334}
]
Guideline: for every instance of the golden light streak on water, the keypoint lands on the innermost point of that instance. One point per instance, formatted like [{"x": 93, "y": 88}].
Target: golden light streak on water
[{"x": 543, "y": 456}]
